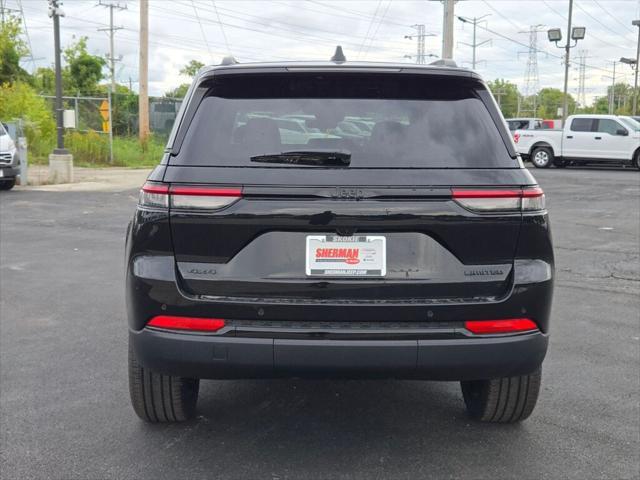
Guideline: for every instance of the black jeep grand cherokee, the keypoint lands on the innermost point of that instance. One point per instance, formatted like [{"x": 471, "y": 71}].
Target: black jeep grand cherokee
[{"x": 269, "y": 243}]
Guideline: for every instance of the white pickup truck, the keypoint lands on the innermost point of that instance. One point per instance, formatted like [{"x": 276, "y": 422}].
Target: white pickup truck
[{"x": 584, "y": 139}]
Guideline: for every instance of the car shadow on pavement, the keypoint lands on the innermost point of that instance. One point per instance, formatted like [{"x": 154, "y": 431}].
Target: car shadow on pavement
[{"x": 332, "y": 428}]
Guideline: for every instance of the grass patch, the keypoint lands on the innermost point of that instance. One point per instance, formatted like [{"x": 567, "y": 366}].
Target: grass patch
[{"x": 91, "y": 149}]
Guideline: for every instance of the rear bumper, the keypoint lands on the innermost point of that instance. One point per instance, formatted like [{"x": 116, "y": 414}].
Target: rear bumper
[{"x": 219, "y": 357}]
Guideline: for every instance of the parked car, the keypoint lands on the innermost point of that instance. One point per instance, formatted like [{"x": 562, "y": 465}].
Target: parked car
[
  {"x": 409, "y": 256},
  {"x": 293, "y": 131},
  {"x": 584, "y": 139},
  {"x": 9, "y": 160}
]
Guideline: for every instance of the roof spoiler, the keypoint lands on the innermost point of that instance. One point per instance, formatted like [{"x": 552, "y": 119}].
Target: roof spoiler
[{"x": 445, "y": 62}]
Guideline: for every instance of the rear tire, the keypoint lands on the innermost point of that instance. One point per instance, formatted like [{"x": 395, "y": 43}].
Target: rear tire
[
  {"x": 158, "y": 398},
  {"x": 502, "y": 400},
  {"x": 7, "y": 184},
  {"x": 636, "y": 160},
  {"x": 542, "y": 157}
]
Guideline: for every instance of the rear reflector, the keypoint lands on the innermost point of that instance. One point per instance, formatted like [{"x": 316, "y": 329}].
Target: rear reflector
[
  {"x": 500, "y": 200},
  {"x": 509, "y": 325},
  {"x": 187, "y": 197},
  {"x": 187, "y": 323}
]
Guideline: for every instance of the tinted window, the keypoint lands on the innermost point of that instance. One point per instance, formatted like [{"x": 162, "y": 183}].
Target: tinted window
[
  {"x": 606, "y": 125},
  {"x": 417, "y": 122},
  {"x": 582, "y": 125}
]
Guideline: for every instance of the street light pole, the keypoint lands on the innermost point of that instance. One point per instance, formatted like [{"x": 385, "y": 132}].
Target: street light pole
[
  {"x": 565, "y": 101},
  {"x": 60, "y": 160},
  {"x": 635, "y": 82},
  {"x": 56, "y": 13}
]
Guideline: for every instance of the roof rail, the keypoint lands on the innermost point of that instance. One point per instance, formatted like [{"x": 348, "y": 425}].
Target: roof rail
[
  {"x": 444, "y": 62},
  {"x": 229, "y": 60},
  {"x": 338, "y": 56}
]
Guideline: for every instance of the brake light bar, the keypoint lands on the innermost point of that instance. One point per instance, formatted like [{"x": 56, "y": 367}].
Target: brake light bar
[
  {"x": 504, "y": 199},
  {"x": 508, "y": 325},
  {"x": 158, "y": 195},
  {"x": 193, "y": 324}
]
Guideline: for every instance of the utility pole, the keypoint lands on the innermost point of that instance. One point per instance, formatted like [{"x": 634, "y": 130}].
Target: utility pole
[
  {"x": 474, "y": 21},
  {"x": 143, "y": 97},
  {"x": 612, "y": 95},
  {"x": 447, "y": 29},
  {"x": 421, "y": 54},
  {"x": 112, "y": 31},
  {"x": 60, "y": 161},
  {"x": 565, "y": 100},
  {"x": 636, "y": 23}
]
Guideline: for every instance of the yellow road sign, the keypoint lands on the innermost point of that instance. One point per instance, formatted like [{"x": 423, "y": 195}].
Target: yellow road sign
[
  {"x": 104, "y": 111},
  {"x": 105, "y": 127}
]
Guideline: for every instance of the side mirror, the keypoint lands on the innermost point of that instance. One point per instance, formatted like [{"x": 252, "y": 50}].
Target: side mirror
[{"x": 622, "y": 132}]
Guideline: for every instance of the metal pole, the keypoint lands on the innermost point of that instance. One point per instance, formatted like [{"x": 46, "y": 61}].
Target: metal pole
[
  {"x": 447, "y": 29},
  {"x": 77, "y": 113},
  {"x": 635, "y": 82},
  {"x": 110, "y": 96},
  {"x": 612, "y": 96},
  {"x": 56, "y": 45},
  {"x": 565, "y": 100},
  {"x": 473, "y": 58},
  {"x": 111, "y": 55},
  {"x": 143, "y": 97}
]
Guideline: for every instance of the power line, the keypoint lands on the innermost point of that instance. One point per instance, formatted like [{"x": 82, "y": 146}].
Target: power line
[
  {"x": 384, "y": 14},
  {"x": 224, "y": 35},
  {"x": 607, "y": 12},
  {"x": 204, "y": 36},
  {"x": 596, "y": 19},
  {"x": 373, "y": 19}
]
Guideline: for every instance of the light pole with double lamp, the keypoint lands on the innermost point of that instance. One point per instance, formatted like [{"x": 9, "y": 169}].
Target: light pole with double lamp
[
  {"x": 635, "y": 23},
  {"x": 555, "y": 35}
]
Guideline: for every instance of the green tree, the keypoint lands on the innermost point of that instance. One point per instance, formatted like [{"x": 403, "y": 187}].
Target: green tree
[
  {"x": 550, "y": 100},
  {"x": 44, "y": 80},
  {"x": 20, "y": 101},
  {"x": 83, "y": 70},
  {"x": 507, "y": 96},
  {"x": 12, "y": 48},
  {"x": 190, "y": 70}
]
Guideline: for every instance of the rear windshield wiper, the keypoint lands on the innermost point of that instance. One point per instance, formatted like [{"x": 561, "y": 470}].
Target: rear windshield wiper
[{"x": 320, "y": 158}]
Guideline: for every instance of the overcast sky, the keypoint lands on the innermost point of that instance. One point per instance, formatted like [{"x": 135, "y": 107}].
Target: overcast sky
[{"x": 375, "y": 30}]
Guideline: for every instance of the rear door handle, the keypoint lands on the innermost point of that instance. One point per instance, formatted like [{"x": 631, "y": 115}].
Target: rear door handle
[
  {"x": 598, "y": 138},
  {"x": 569, "y": 136}
]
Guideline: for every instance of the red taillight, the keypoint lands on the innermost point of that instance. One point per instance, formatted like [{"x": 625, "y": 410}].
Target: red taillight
[
  {"x": 509, "y": 325},
  {"x": 187, "y": 323},
  {"x": 507, "y": 199},
  {"x": 187, "y": 197},
  {"x": 516, "y": 138}
]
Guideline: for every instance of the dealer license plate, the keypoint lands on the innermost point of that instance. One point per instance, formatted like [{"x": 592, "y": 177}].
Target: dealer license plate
[{"x": 356, "y": 256}]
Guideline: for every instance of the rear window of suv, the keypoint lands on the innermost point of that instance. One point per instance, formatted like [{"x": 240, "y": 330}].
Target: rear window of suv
[{"x": 417, "y": 121}]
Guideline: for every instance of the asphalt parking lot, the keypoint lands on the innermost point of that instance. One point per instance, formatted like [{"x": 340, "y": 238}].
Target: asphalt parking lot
[{"x": 64, "y": 398}]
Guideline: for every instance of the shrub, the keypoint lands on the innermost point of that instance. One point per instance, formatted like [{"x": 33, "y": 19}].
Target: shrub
[{"x": 19, "y": 101}]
